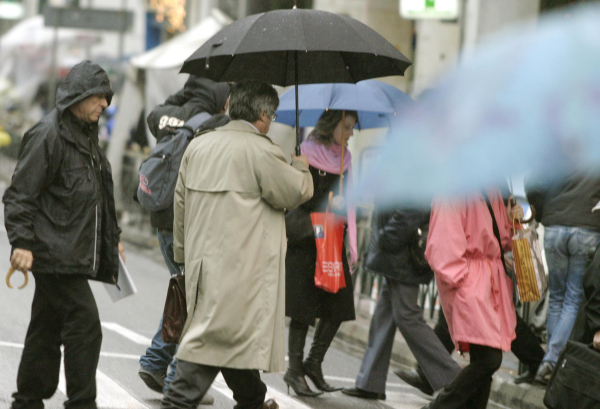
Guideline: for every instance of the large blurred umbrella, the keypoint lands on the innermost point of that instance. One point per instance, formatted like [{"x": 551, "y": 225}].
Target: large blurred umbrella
[
  {"x": 528, "y": 101},
  {"x": 291, "y": 47},
  {"x": 377, "y": 103}
]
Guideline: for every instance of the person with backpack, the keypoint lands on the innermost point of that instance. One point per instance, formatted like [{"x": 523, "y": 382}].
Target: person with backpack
[
  {"x": 465, "y": 249},
  {"x": 201, "y": 99},
  {"x": 394, "y": 254}
]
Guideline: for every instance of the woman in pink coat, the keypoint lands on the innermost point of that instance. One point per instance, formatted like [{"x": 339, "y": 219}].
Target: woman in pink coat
[{"x": 475, "y": 292}]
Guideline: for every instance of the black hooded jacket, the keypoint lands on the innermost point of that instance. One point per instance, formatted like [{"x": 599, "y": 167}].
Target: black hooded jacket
[
  {"x": 60, "y": 204},
  {"x": 198, "y": 95}
]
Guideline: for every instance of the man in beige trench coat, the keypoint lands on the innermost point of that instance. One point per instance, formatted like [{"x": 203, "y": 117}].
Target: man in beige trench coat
[{"x": 234, "y": 184}]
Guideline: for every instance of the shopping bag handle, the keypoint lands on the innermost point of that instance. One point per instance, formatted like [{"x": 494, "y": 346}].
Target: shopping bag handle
[
  {"x": 513, "y": 202},
  {"x": 10, "y": 273}
]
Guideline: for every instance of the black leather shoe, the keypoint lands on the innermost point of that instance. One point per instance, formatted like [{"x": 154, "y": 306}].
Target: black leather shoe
[
  {"x": 542, "y": 376},
  {"x": 527, "y": 376},
  {"x": 414, "y": 379},
  {"x": 361, "y": 393}
]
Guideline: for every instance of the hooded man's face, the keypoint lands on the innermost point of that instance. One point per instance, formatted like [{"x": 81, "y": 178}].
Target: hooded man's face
[{"x": 90, "y": 109}]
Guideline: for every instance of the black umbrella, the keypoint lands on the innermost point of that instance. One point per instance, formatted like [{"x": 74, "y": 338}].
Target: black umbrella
[{"x": 298, "y": 46}]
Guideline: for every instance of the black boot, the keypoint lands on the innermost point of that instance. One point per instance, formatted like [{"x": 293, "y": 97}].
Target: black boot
[
  {"x": 294, "y": 375},
  {"x": 324, "y": 334}
]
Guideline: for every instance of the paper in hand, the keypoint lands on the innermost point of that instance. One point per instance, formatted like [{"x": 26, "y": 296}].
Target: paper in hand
[{"x": 125, "y": 285}]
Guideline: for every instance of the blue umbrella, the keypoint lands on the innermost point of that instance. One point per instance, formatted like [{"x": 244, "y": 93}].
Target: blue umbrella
[
  {"x": 377, "y": 103},
  {"x": 528, "y": 101}
]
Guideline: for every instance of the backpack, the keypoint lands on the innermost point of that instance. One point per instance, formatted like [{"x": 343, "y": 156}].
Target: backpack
[{"x": 158, "y": 174}]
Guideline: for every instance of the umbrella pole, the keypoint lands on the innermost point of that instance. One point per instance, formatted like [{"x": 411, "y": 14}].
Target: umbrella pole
[
  {"x": 298, "y": 138},
  {"x": 343, "y": 149}
]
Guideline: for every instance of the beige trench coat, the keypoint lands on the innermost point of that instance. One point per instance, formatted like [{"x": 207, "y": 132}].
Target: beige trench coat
[{"x": 233, "y": 187}]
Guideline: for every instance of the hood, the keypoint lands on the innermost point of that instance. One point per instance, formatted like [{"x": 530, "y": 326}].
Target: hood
[
  {"x": 203, "y": 93},
  {"x": 85, "y": 79}
]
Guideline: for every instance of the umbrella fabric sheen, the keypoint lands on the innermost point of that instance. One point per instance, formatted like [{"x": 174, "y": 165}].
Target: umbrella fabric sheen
[
  {"x": 331, "y": 48},
  {"x": 377, "y": 103},
  {"x": 528, "y": 101}
]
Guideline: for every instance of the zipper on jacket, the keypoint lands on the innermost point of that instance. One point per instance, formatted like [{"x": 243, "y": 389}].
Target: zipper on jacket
[{"x": 96, "y": 240}]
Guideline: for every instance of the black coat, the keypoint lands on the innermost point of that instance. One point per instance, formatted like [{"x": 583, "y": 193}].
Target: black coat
[
  {"x": 303, "y": 301},
  {"x": 588, "y": 319},
  {"x": 567, "y": 202},
  {"x": 394, "y": 233},
  {"x": 197, "y": 96},
  {"x": 60, "y": 204}
]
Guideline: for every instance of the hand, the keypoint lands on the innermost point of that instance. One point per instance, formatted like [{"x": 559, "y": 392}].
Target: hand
[
  {"x": 597, "y": 340},
  {"x": 122, "y": 252},
  {"x": 22, "y": 260},
  {"x": 516, "y": 211},
  {"x": 301, "y": 158},
  {"x": 338, "y": 203}
]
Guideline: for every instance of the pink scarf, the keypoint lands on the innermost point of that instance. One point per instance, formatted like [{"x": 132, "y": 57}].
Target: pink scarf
[{"x": 329, "y": 159}]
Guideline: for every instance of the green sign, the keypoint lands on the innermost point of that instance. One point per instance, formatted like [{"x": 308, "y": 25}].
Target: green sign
[{"x": 432, "y": 9}]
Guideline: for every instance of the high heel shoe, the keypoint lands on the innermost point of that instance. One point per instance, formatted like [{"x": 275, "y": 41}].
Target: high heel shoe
[{"x": 298, "y": 384}]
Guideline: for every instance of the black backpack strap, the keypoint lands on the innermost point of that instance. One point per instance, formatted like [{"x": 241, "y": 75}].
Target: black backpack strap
[{"x": 496, "y": 230}]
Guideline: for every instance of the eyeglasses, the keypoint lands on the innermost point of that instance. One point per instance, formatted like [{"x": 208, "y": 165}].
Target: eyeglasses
[{"x": 272, "y": 116}]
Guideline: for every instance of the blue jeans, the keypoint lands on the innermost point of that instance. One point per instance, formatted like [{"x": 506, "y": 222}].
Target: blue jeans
[
  {"x": 160, "y": 354},
  {"x": 566, "y": 253}
]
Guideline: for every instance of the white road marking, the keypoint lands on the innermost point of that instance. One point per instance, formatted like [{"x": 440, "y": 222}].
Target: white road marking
[
  {"x": 127, "y": 333},
  {"x": 400, "y": 400},
  {"x": 105, "y": 354},
  {"x": 351, "y": 380},
  {"x": 109, "y": 393}
]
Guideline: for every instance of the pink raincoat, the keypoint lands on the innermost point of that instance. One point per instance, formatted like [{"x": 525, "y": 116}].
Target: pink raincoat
[{"x": 475, "y": 292}]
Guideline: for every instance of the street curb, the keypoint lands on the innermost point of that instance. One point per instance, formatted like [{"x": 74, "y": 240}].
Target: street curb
[{"x": 504, "y": 391}]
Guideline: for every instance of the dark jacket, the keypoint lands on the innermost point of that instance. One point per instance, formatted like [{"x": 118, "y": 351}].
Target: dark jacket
[
  {"x": 60, "y": 203},
  {"x": 567, "y": 202},
  {"x": 588, "y": 319},
  {"x": 197, "y": 96},
  {"x": 394, "y": 233},
  {"x": 303, "y": 301}
]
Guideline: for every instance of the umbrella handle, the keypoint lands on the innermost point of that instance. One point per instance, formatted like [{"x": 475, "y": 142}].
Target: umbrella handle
[{"x": 10, "y": 273}]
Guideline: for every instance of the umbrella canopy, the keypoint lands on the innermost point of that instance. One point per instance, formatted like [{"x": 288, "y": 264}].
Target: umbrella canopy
[
  {"x": 291, "y": 47},
  {"x": 377, "y": 103},
  {"x": 329, "y": 47},
  {"x": 528, "y": 101}
]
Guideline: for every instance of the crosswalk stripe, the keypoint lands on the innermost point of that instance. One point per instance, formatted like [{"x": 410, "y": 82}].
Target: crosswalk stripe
[
  {"x": 127, "y": 333},
  {"x": 110, "y": 395},
  {"x": 352, "y": 380}
]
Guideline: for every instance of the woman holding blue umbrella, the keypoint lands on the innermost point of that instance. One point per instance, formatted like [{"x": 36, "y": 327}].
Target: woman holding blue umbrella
[{"x": 327, "y": 155}]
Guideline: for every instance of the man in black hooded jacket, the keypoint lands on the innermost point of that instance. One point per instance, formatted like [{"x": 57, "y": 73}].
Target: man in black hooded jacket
[
  {"x": 197, "y": 96},
  {"x": 61, "y": 222}
]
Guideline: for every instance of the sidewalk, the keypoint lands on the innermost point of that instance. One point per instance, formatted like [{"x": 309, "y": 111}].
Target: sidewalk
[{"x": 353, "y": 335}]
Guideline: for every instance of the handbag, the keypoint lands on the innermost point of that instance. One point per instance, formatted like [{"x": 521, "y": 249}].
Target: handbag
[
  {"x": 416, "y": 250},
  {"x": 175, "y": 312},
  {"x": 329, "y": 239},
  {"x": 298, "y": 225},
  {"x": 574, "y": 382},
  {"x": 529, "y": 267}
]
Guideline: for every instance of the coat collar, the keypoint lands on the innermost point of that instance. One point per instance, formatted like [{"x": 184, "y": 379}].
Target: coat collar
[{"x": 241, "y": 126}]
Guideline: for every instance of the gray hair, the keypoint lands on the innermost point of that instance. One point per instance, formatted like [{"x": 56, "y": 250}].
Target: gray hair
[{"x": 249, "y": 99}]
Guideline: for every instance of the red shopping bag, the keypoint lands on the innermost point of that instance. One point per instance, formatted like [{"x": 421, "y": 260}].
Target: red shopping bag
[{"x": 329, "y": 237}]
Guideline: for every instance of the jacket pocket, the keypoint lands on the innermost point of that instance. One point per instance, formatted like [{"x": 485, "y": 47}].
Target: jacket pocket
[{"x": 79, "y": 179}]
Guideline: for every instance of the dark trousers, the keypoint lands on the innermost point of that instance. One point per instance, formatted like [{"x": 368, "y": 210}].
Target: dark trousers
[
  {"x": 525, "y": 346},
  {"x": 63, "y": 312},
  {"x": 192, "y": 381},
  {"x": 471, "y": 388},
  {"x": 397, "y": 308}
]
